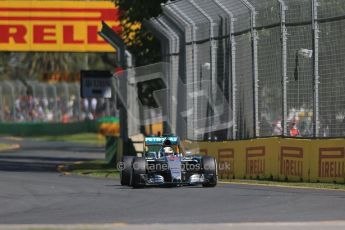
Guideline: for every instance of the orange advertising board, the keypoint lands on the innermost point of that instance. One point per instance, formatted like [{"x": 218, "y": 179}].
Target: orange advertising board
[
  {"x": 61, "y": 26},
  {"x": 331, "y": 162},
  {"x": 226, "y": 162},
  {"x": 291, "y": 161},
  {"x": 286, "y": 159},
  {"x": 255, "y": 160}
]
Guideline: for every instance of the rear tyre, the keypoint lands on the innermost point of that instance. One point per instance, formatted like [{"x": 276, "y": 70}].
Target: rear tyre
[
  {"x": 138, "y": 168},
  {"x": 209, "y": 165},
  {"x": 126, "y": 170}
]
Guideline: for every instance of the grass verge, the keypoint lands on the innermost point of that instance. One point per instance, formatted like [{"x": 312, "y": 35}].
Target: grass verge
[
  {"x": 332, "y": 186},
  {"x": 85, "y": 138},
  {"x": 5, "y": 147},
  {"x": 96, "y": 168}
]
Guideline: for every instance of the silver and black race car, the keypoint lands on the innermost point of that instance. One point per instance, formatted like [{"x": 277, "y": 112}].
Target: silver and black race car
[{"x": 164, "y": 163}]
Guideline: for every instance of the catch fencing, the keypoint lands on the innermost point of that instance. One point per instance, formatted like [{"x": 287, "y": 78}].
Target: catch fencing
[
  {"x": 254, "y": 68},
  {"x": 32, "y": 101}
]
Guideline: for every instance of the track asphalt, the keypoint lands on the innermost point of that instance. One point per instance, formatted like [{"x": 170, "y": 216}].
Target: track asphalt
[{"x": 33, "y": 192}]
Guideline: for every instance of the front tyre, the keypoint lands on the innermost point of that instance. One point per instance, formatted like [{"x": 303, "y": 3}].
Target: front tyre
[
  {"x": 209, "y": 165},
  {"x": 126, "y": 170},
  {"x": 139, "y": 168}
]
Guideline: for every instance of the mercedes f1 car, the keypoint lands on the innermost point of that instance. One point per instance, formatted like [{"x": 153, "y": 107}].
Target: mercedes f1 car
[{"x": 164, "y": 163}]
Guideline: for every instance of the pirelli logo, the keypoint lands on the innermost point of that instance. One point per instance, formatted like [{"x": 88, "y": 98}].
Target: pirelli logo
[
  {"x": 226, "y": 162},
  {"x": 291, "y": 161},
  {"x": 331, "y": 162},
  {"x": 255, "y": 160},
  {"x": 56, "y": 25}
]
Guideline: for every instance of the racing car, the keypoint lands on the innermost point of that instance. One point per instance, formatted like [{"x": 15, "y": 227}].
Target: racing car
[{"x": 164, "y": 163}]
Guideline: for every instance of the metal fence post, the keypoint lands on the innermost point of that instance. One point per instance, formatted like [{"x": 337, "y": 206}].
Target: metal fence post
[
  {"x": 159, "y": 29},
  {"x": 194, "y": 61},
  {"x": 255, "y": 66},
  {"x": 232, "y": 65},
  {"x": 181, "y": 23},
  {"x": 66, "y": 100},
  {"x": 78, "y": 101},
  {"x": 213, "y": 51},
  {"x": 283, "y": 9},
  {"x": 164, "y": 33},
  {"x": 315, "y": 28},
  {"x": 55, "y": 104},
  {"x": 132, "y": 104},
  {"x": 173, "y": 73}
]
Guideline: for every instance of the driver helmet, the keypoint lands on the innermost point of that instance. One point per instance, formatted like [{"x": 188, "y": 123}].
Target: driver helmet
[{"x": 166, "y": 148}]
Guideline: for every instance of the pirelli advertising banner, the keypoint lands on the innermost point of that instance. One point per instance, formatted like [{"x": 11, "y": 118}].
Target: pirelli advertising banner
[
  {"x": 61, "y": 26},
  {"x": 283, "y": 159}
]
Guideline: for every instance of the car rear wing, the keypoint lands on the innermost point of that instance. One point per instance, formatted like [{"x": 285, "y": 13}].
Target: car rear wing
[{"x": 160, "y": 140}]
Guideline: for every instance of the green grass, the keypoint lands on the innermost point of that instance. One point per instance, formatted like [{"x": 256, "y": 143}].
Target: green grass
[
  {"x": 86, "y": 138},
  {"x": 4, "y": 146},
  {"x": 288, "y": 184},
  {"x": 96, "y": 168}
]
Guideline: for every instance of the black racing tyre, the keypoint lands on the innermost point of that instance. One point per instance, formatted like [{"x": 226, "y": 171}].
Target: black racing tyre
[
  {"x": 126, "y": 170},
  {"x": 209, "y": 165},
  {"x": 138, "y": 167}
]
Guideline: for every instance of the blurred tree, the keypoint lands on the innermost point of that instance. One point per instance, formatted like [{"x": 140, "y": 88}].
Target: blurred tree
[
  {"x": 47, "y": 62},
  {"x": 143, "y": 45},
  {"x": 36, "y": 65}
]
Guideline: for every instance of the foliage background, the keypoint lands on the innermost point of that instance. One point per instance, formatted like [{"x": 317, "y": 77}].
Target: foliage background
[{"x": 144, "y": 46}]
